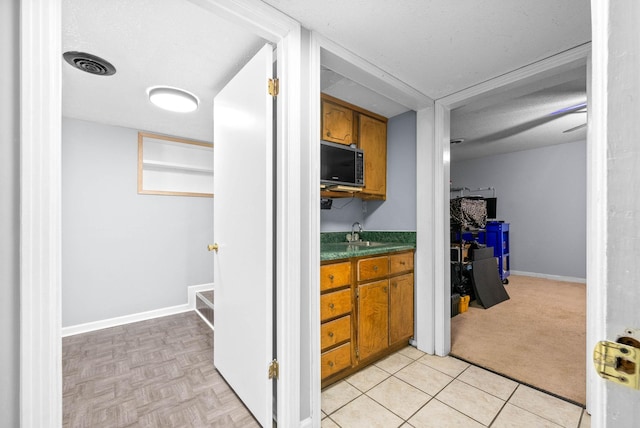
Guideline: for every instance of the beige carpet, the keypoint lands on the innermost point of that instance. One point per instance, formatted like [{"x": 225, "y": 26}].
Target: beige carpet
[{"x": 537, "y": 337}]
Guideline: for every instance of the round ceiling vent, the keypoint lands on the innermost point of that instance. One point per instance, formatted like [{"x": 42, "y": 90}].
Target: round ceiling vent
[{"x": 89, "y": 63}]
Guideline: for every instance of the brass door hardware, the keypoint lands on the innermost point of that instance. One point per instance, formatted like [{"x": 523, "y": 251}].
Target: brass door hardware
[
  {"x": 619, "y": 361},
  {"x": 213, "y": 247},
  {"x": 274, "y": 370}
]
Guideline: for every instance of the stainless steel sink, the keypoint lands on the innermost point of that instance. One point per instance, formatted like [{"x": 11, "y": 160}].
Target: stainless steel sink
[{"x": 366, "y": 243}]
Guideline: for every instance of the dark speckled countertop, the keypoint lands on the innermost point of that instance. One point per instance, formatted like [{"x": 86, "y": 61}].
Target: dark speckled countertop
[{"x": 333, "y": 245}]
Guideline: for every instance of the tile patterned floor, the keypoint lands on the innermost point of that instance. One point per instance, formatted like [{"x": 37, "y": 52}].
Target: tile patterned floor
[
  {"x": 155, "y": 373},
  {"x": 413, "y": 389},
  {"x": 159, "y": 373}
]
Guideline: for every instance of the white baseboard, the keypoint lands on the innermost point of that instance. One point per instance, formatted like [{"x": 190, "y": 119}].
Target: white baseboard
[
  {"x": 141, "y": 316},
  {"x": 553, "y": 277},
  {"x": 306, "y": 423},
  {"x": 126, "y": 319},
  {"x": 193, "y": 289}
]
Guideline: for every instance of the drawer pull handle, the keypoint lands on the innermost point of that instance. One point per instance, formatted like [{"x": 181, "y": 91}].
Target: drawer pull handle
[
  {"x": 395, "y": 284},
  {"x": 402, "y": 263},
  {"x": 384, "y": 289},
  {"x": 375, "y": 268},
  {"x": 331, "y": 305},
  {"x": 330, "y": 363},
  {"x": 330, "y": 334},
  {"x": 331, "y": 277}
]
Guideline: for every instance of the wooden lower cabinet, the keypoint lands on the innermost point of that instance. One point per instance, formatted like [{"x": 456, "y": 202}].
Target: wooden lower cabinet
[
  {"x": 335, "y": 360},
  {"x": 400, "y": 308},
  {"x": 368, "y": 318},
  {"x": 373, "y": 318}
]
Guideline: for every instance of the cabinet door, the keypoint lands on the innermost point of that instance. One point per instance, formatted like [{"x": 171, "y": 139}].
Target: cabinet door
[
  {"x": 401, "y": 308},
  {"x": 373, "y": 141},
  {"x": 373, "y": 318},
  {"x": 337, "y": 123}
]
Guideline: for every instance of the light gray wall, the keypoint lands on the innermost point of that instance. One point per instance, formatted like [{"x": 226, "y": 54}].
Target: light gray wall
[
  {"x": 542, "y": 194},
  {"x": 124, "y": 253},
  {"x": 398, "y": 212},
  {"x": 9, "y": 213}
]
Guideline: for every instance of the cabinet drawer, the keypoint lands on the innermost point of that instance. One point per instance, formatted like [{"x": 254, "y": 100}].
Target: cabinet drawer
[
  {"x": 375, "y": 267},
  {"x": 335, "y": 275},
  {"x": 335, "y": 360},
  {"x": 402, "y": 262},
  {"x": 335, "y": 331},
  {"x": 335, "y": 304}
]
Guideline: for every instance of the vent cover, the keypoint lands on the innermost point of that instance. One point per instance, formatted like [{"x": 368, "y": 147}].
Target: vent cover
[{"x": 89, "y": 63}]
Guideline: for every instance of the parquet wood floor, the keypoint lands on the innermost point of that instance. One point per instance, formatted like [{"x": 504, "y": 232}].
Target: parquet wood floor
[{"x": 155, "y": 373}]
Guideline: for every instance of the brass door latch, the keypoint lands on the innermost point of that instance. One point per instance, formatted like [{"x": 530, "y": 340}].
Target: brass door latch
[{"x": 619, "y": 361}]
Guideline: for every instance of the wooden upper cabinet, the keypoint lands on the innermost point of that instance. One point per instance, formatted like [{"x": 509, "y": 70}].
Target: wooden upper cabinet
[
  {"x": 337, "y": 123},
  {"x": 346, "y": 123},
  {"x": 373, "y": 142}
]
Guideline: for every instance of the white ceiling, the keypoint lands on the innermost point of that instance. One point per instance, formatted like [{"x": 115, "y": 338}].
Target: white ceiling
[
  {"x": 150, "y": 42},
  {"x": 438, "y": 47}
]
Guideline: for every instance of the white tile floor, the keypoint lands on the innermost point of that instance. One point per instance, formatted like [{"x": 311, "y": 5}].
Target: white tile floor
[{"x": 413, "y": 389}]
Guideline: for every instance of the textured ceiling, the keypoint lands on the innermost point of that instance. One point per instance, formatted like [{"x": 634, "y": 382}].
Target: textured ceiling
[
  {"x": 441, "y": 46},
  {"x": 521, "y": 118},
  {"x": 150, "y": 42},
  {"x": 438, "y": 47}
]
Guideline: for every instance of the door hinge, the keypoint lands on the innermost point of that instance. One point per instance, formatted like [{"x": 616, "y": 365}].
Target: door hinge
[
  {"x": 274, "y": 87},
  {"x": 274, "y": 370},
  {"x": 619, "y": 361}
]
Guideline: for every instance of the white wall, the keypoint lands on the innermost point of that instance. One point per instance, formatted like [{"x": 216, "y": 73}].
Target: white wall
[
  {"x": 542, "y": 194},
  {"x": 9, "y": 214},
  {"x": 398, "y": 212},
  {"x": 124, "y": 253}
]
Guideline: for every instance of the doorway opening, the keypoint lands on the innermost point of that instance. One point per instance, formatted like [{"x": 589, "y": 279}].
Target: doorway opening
[{"x": 517, "y": 181}]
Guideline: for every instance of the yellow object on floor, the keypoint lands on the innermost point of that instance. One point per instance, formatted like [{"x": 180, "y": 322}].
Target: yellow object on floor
[{"x": 464, "y": 303}]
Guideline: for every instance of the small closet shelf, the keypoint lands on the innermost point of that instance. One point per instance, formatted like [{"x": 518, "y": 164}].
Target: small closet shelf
[
  {"x": 174, "y": 166},
  {"x": 162, "y": 165}
]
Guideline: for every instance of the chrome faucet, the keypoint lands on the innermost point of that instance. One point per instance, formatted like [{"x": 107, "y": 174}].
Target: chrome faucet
[{"x": 353, "y": 231}]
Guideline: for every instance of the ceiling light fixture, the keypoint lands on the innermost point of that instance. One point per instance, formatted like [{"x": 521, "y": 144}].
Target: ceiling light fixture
[{"x": 173, "y": 99}]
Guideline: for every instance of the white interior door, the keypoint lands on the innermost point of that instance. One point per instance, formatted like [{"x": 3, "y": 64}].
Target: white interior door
[{"x": 243, "y": 230}]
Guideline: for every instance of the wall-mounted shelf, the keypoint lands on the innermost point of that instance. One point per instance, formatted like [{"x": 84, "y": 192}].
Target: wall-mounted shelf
[
  {"x": 160, "y": 165},
  {"x": 174, "y": 166}
]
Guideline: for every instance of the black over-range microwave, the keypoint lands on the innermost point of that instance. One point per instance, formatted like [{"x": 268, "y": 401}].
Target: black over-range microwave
[{"x": 341, "y": 165}]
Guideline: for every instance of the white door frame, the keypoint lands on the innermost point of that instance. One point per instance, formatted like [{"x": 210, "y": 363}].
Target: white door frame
[{"x": 40, "y": 198}]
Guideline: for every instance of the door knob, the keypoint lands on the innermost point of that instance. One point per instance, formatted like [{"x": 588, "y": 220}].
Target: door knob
[{"x": 212, "y": 247}]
